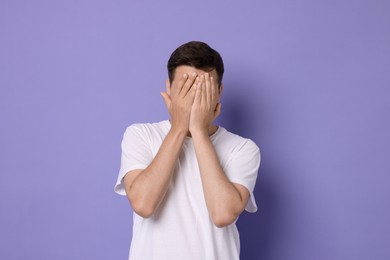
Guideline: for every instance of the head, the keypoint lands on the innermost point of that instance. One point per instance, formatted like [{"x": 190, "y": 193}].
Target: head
[{"x": 198, "y": 55}]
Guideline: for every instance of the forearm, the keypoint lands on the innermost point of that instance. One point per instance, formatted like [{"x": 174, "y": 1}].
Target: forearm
[
  {"x": 149, "y": 187},
  {"x": 223, "y": 200}
]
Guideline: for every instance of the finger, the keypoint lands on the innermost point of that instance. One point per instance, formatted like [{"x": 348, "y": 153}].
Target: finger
[
  {"x": 208, "y": 90},
  {"x": 195, "y": 86},
  {"x": 214, "y": 97},
  {"x": 198, "y": 93},
  {"x": 191, "y": 92},
  {"x": 167, "y": 99},
  {"x": 204, "y": 91},
  {"x": 188, "y": 84},
  {"x": 180, "y": 84},
  {"x": 197, "y": 80},
  {"x": 167, "y": 86}
]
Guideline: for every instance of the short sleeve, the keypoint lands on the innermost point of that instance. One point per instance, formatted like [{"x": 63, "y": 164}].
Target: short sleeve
[
  {"x": 242, "y": 168},
  {"x": 136, "y": 154}
]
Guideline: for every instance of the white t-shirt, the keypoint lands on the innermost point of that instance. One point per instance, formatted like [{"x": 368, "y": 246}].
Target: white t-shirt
[{"x": 181, "y": 228}]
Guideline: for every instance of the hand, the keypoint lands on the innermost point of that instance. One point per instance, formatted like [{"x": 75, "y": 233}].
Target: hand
[
  {"x": 179, "y": 100},
  {"x": 206, "y": 106}
]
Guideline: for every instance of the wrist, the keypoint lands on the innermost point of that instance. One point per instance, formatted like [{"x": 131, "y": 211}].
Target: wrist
[
  {"x": 178, "y": 132},
  {"x": 200, "y": 133}
]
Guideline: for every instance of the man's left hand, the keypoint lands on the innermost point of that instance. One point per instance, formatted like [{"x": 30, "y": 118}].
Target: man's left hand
[{"x": 206, "y": 106}]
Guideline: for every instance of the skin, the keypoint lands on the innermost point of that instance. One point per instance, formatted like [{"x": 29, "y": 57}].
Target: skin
[{"x": 193, "y": 102}]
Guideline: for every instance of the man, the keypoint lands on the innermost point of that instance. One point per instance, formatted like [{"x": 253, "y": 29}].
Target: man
[{"x": 187, "y": 179}]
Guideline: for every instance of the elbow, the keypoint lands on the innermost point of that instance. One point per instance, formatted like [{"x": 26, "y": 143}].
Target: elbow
[
  {"x": 141, "y": 208},
  {"x": 222, "y": 220},
  {"x": 143, "y": 212}
]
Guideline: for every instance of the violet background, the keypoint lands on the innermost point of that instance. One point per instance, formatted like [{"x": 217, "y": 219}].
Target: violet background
[{"x": 308, "y": 81}]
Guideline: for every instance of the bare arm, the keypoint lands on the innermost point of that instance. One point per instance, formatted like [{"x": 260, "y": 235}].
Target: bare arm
[
  {"x": 225, "y": 200},
  {"x": 146, "y": 188}
]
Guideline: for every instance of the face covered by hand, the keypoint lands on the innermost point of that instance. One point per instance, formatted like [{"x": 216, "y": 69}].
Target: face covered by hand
[{"x": 193, "y": 99}]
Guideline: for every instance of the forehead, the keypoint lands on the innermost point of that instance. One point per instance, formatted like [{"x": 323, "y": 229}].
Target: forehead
[{"x": 184, "y": 69}]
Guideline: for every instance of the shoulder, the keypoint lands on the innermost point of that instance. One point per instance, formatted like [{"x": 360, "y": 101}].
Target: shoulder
[
  {"x": 234, "y": 142},
  {"x": 149, "y": 133},
  {"x": 147, "y": 128}
]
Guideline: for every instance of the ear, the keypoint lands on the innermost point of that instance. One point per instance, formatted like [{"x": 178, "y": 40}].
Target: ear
[
  {"x": 220, "y": 90},
  {"x": 217, "y": 111},
  {"x": 168, "y": 86}
]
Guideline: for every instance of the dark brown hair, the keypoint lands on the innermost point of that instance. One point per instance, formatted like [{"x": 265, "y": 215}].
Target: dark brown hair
[{"x": 196, "y": 54}]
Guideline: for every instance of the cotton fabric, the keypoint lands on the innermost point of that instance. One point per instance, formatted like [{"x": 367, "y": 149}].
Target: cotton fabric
[{"x": 181, "y": 227}]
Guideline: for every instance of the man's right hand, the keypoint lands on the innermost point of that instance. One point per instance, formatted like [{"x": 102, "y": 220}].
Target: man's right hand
[
  {"x": 179, "y": 99},
  {"x": 146, "y": 188}
]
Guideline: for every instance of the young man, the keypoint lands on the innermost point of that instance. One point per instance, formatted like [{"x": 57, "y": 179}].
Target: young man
[{"x": 187, "y": 179}]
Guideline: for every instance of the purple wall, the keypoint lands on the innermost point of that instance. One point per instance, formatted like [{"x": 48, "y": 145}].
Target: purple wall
[{"x": 307, "y": 80}]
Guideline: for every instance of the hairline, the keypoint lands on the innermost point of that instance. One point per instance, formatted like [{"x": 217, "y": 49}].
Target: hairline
[{"x": 206, "y": 69}]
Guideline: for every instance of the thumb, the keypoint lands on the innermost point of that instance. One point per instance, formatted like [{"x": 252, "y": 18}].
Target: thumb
[{"x": 167, "y": 99}]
